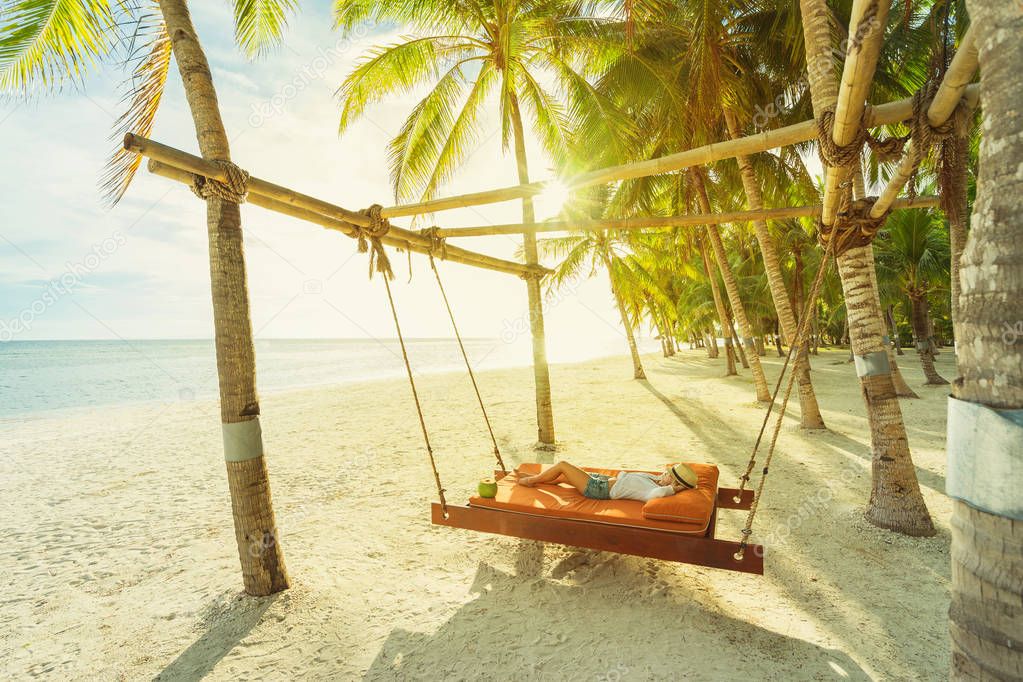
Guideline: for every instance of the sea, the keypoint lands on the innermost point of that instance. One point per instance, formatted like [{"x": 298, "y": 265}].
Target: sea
[{"x": 41, "y": 377}]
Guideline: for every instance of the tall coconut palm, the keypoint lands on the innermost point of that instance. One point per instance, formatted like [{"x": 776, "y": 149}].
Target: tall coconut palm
[
  {"x": 731, "y": 288},
  {"x": 913, "y": 259},
  {"x": 895, "y": 501},
  {"x": 986, "y": 615},
  {"x": 703, "y": 56},
  {"x": 582, "y": 255},
  {"x": 469, "y": 52},
  {"x": 50, "y": 43}
]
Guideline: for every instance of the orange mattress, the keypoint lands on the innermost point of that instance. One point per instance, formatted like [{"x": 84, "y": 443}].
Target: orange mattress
[{"x": 564, "y": 501}]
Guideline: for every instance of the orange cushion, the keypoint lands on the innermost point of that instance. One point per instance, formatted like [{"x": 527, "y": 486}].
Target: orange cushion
[
  {"x": 688, "y": 506},
  {"x": 564, "y": 501}
]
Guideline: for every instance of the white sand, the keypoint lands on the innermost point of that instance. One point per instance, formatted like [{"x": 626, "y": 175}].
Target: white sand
[{"x": 120, "y": 563}]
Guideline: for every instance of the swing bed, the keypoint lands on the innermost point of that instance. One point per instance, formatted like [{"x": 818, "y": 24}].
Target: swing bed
[{"x": 559, "y": 514}]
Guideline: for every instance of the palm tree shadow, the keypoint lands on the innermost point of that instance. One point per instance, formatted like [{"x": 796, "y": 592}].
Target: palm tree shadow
[
  {"x": 717, "y": 436},
  {"x": 547, "y": 629},
  {"x": 230, "y": 623},
  {"x": 931, "y": 479}
]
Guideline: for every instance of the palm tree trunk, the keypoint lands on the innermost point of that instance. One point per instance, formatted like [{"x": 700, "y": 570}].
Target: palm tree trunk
[
  {"x": 541, "y": 372},
  {"x": 956, "y": 208},
  {"x": 919, "y": 313},
  {"x": 262, "y": 561},
  {"x": 894, "y": 329},
  {"x": 711, "y": 342},
  {"x": 895, "y": 500},
  {"x": 637, "y": 364},
  {"x": 738, "y": 346},
  {"x": 986, "y": 614},
  {"x": 752, "y": 359},
  {"x": 810, "y": 412},
  {"x": 719, "y": 303}
]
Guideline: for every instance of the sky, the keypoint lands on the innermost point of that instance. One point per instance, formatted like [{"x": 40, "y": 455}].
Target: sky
[{"x": 72, "y": 269}]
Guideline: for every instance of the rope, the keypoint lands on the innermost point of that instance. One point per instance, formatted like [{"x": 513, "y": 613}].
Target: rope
[
  {"x": 924, "y": 135},
  {"x": 369, "y": 241},
  {"x": 797, "y": 342},
  {"x": 853, "y": 223},
  {"x": 415, "y": 397},
  {"x": 438, "y": 245},
  {"x": 233, "y": 190},
  {"x": 468, "y": 366}
]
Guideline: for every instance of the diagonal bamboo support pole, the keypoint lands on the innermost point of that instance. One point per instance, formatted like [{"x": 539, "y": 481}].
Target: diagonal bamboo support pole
[
  {"x": 180, "y": 166},
  {"x": 688, "y": 220},
  {"x": 882, "y": 114},
  {"x": 857, "y": 77},
  {"x": 960, "y": 71}
]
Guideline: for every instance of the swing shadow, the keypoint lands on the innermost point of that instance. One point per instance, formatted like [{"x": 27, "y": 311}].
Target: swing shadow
[
  {"x": 552, "y": 630},
  {"x": 232, "y": 622}
]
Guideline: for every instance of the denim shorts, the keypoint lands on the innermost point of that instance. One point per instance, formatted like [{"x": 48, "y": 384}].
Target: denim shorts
[{"x": 597, "y": 488}]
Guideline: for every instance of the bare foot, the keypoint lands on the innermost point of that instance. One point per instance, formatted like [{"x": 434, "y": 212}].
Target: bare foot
[{"x": 527, "y": 481}]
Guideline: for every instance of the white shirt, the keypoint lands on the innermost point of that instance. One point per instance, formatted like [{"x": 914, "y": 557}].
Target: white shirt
[{"x": 635, "y": 485}]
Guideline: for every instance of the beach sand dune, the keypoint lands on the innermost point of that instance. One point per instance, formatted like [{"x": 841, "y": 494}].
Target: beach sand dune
[{"x": 119, "y": 559}]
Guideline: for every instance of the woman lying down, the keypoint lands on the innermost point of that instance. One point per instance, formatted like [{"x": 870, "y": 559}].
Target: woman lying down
[{"x": 627, "y": 485}]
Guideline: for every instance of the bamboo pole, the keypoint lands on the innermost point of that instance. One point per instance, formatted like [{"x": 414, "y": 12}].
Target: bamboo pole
[
  {"x": 946, "y": 99},
  {"x": 857, "y": 77},
  {"x": 883, "y": 114},
  {"x": 691, "y": 220},
  {"x": 395, "y": 237},
  {"x": 194, "y": 164}
]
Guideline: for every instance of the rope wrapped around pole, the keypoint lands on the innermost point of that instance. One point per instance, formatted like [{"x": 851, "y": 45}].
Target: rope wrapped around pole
[
  {"x": 234, "y": 190},
  {"x": 841, "y": 156},
  {"x": 369, "y": 241},
  {"x": 924, "y": 135},
  {"x": 853, "y": 225},
  {"x": 438, "y": 244}
]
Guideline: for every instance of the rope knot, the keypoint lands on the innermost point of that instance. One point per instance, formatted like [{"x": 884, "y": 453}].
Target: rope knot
[
  {"x": 438, "y": 245},
  {"x": 369, "y": 240},
  {"x": 234, "y": 189},
  {"x": 853, "y": 225},
  {"x": 924, "y": 135}
]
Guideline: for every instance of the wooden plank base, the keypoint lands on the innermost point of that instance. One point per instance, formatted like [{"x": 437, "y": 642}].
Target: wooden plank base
[{"x": 606, "y": 537}]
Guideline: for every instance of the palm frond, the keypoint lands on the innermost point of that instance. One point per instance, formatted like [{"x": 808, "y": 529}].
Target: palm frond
[
  {"x": 144, "y": 92},
  {"x": 46, "y": 43},
  {"x": 259, "y": 24}
]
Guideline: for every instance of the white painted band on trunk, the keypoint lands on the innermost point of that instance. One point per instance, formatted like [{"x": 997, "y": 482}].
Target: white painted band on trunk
[
  {"x": 242, "y": 440},
  {"x": 985, "y": 457},
  {"x": 872, "y": 364},
  {"x": 749, "y": 342}
]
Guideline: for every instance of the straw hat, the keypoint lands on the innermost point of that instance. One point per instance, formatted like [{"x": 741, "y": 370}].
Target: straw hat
[{"x": 684, "y": 476}]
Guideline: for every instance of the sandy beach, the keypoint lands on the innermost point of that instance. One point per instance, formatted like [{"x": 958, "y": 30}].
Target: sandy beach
[{"x": 120, "y": 559}]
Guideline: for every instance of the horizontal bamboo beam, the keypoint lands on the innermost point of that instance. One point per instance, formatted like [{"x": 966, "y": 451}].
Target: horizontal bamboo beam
[
  {"x": 946, "y": 99},
  {"x": 882, "y": 114},
  {"x": 857, "y": 78},
  {"x": 200, "y": 166},
  {"x": 395, "y": 237},
  {"x": 663, "y": 221}
]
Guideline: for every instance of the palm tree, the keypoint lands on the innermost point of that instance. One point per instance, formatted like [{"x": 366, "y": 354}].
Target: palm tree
[
  {"x": 691, "y": 73},
  {"x": 50, "y": 43},
  {"x": 895, "y": 501},
  {"x": 590, "y": 251},
  {"x": 987, "y": 546},
  {"x": 731, "y": 287},
  {"x": 469, "y": 51},
  {"x": 913, "y": 259}
]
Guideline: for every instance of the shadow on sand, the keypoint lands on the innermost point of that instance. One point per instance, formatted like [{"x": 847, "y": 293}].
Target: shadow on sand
[
  {"x": 230, "y": 623},
  {"x": 558, "y": 631}
]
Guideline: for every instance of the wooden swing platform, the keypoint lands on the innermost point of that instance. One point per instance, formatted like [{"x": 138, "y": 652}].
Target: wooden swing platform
[{"x": 662, "y": 540}]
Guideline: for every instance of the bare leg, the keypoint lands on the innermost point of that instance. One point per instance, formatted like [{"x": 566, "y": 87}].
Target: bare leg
[{"x": 572, "y": 475}]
